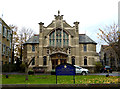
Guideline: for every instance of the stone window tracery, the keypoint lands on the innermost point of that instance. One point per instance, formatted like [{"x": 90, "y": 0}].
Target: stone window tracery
[{"x": 58, "y": 38}]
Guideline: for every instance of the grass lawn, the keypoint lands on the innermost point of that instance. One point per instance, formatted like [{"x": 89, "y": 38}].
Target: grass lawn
[{"x": 51, "y": 79}]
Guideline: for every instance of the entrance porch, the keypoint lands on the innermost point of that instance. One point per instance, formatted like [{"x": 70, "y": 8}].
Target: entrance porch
[{"x": 58, "y": 58}]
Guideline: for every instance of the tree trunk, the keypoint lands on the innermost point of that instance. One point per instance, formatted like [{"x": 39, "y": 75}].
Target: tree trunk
[{"x": 26, "y": 71}]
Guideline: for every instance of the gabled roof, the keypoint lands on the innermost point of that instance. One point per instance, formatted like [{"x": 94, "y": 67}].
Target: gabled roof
[
  {"x": 83, "y": 38},
  {"x": 33, "y": 40},
  {"x": 65, "y": 24}
]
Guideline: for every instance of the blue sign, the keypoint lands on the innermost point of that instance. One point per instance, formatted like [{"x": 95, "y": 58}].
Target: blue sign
[{"x": 65, "y": 69}]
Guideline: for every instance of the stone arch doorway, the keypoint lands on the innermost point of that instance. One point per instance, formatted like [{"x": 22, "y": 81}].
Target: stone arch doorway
[{"x": 58, "y": 58}]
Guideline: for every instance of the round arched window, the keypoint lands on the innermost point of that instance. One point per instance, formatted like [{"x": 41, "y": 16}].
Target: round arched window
[{"x": 85, "y": 60}]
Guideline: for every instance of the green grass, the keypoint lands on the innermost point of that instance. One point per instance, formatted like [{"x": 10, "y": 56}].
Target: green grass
[{"x": 51, "y": 79}]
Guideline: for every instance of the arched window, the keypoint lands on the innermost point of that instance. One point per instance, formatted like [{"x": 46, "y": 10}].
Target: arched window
[
  {"x": 65, "y": 39},
  {"x": 73, "y": 60},
  {"x": 52, "y": 38},
  {"x": 59, "y": 37},
  {"x": 85, "y": 60},
  {"x": 33, "y": 48},
  {"x": 44, "y": 60}
]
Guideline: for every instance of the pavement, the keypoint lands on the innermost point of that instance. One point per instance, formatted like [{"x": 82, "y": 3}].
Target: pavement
[{"x": 114, "y": 73}]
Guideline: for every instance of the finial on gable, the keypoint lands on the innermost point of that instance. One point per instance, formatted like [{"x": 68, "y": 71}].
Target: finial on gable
[
  {"x": 58, "y": 17},
  {"x": 58, "y": 12}
]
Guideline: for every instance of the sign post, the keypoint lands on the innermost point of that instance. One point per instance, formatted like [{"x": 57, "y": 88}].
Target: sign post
[
  {"x": 65, "y": 69},
  {"x": 56, "y": 79}
]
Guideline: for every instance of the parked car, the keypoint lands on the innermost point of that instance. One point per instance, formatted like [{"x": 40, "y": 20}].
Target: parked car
[
  {"x": 53, "y": 72},
  {"x": 106, "y": 69},
  {"x": 30, "y": 72},
  {"x": 38, "y": 70},
  {"x": 80, "y": 70}
]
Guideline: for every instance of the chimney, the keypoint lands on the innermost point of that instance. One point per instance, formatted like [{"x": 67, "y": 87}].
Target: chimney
[
  {"x": 41, "y": 26},
  {"x": 76, "y": 25}
]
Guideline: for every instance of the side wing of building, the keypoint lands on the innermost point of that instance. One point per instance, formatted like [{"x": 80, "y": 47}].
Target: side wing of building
[{"x": 5, "y": 43}]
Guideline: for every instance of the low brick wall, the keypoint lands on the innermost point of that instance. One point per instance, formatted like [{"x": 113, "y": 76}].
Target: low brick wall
[{"x": 60, "y": 86}]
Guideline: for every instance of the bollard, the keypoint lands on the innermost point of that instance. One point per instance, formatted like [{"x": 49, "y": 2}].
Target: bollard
[
  {"x": 6, "y": 76},
  {"x": 107, "y": 75}
]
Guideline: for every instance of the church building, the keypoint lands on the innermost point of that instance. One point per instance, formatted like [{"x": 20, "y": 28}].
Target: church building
[{"x": 60, "y": 43}]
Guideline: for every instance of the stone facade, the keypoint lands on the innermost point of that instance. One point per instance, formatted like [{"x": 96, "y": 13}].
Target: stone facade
[
  {"x": 60, "y": 43},
  {"x": 5, "y": 43},
  {"x": 108, "y": 57}
]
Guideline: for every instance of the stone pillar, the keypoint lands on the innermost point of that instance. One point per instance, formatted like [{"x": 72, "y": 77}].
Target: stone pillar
[
  {"x": 49, "y": 64},
  {"x": 69, "y": 59},
  {"x": 76, "y": 26},
  {"x": 41, "y": 44},
  {"x": 76, "y": 43}
]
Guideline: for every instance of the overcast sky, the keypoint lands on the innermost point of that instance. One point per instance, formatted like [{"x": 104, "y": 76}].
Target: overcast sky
[{"x": 92, "y": 14}]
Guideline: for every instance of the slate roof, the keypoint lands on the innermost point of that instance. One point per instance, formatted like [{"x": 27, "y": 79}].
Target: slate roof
[
  {"x": 83, "y": 38},
  {"x": 33, "y": 40}
]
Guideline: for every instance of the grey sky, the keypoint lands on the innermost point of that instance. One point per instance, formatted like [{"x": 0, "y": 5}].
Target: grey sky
[{"x": 92, "y": 14}]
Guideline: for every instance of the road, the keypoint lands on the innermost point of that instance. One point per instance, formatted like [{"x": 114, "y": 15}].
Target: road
[{"x": 111, "y": 74}]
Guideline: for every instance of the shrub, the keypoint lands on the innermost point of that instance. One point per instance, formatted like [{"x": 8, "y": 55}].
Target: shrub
[
  {"x": 98, "y": 66},
  {"x": 22, "y": 67},
  {"x": 9, "y": 68}
]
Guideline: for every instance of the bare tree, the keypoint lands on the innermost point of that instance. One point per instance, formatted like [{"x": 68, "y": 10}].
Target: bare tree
[
  {"x": 19, "y": 37},
  {"x": 26, "y": 33},
  {"x": 111, "y": 35},
  {"x": 15, "y": 40},
  {"x": 27, "y": 63}
]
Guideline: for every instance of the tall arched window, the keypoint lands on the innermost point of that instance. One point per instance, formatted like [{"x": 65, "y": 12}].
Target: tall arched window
[
  {"x": 59, "y": 37},
  {"x": 52, "y": 38},
  {"x": 85, "y": 60},
  {"x": 65, "y": 39}
]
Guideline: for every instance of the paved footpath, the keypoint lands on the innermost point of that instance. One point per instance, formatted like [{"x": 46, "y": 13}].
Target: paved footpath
[{"x": 111, "y": 74}]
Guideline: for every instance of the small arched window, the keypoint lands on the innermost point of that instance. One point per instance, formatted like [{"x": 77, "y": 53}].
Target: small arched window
[
  {"x": 85, "y": 60},
  {"x": 44, "y": 60},
  {"x": 73, "y": 60}
]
